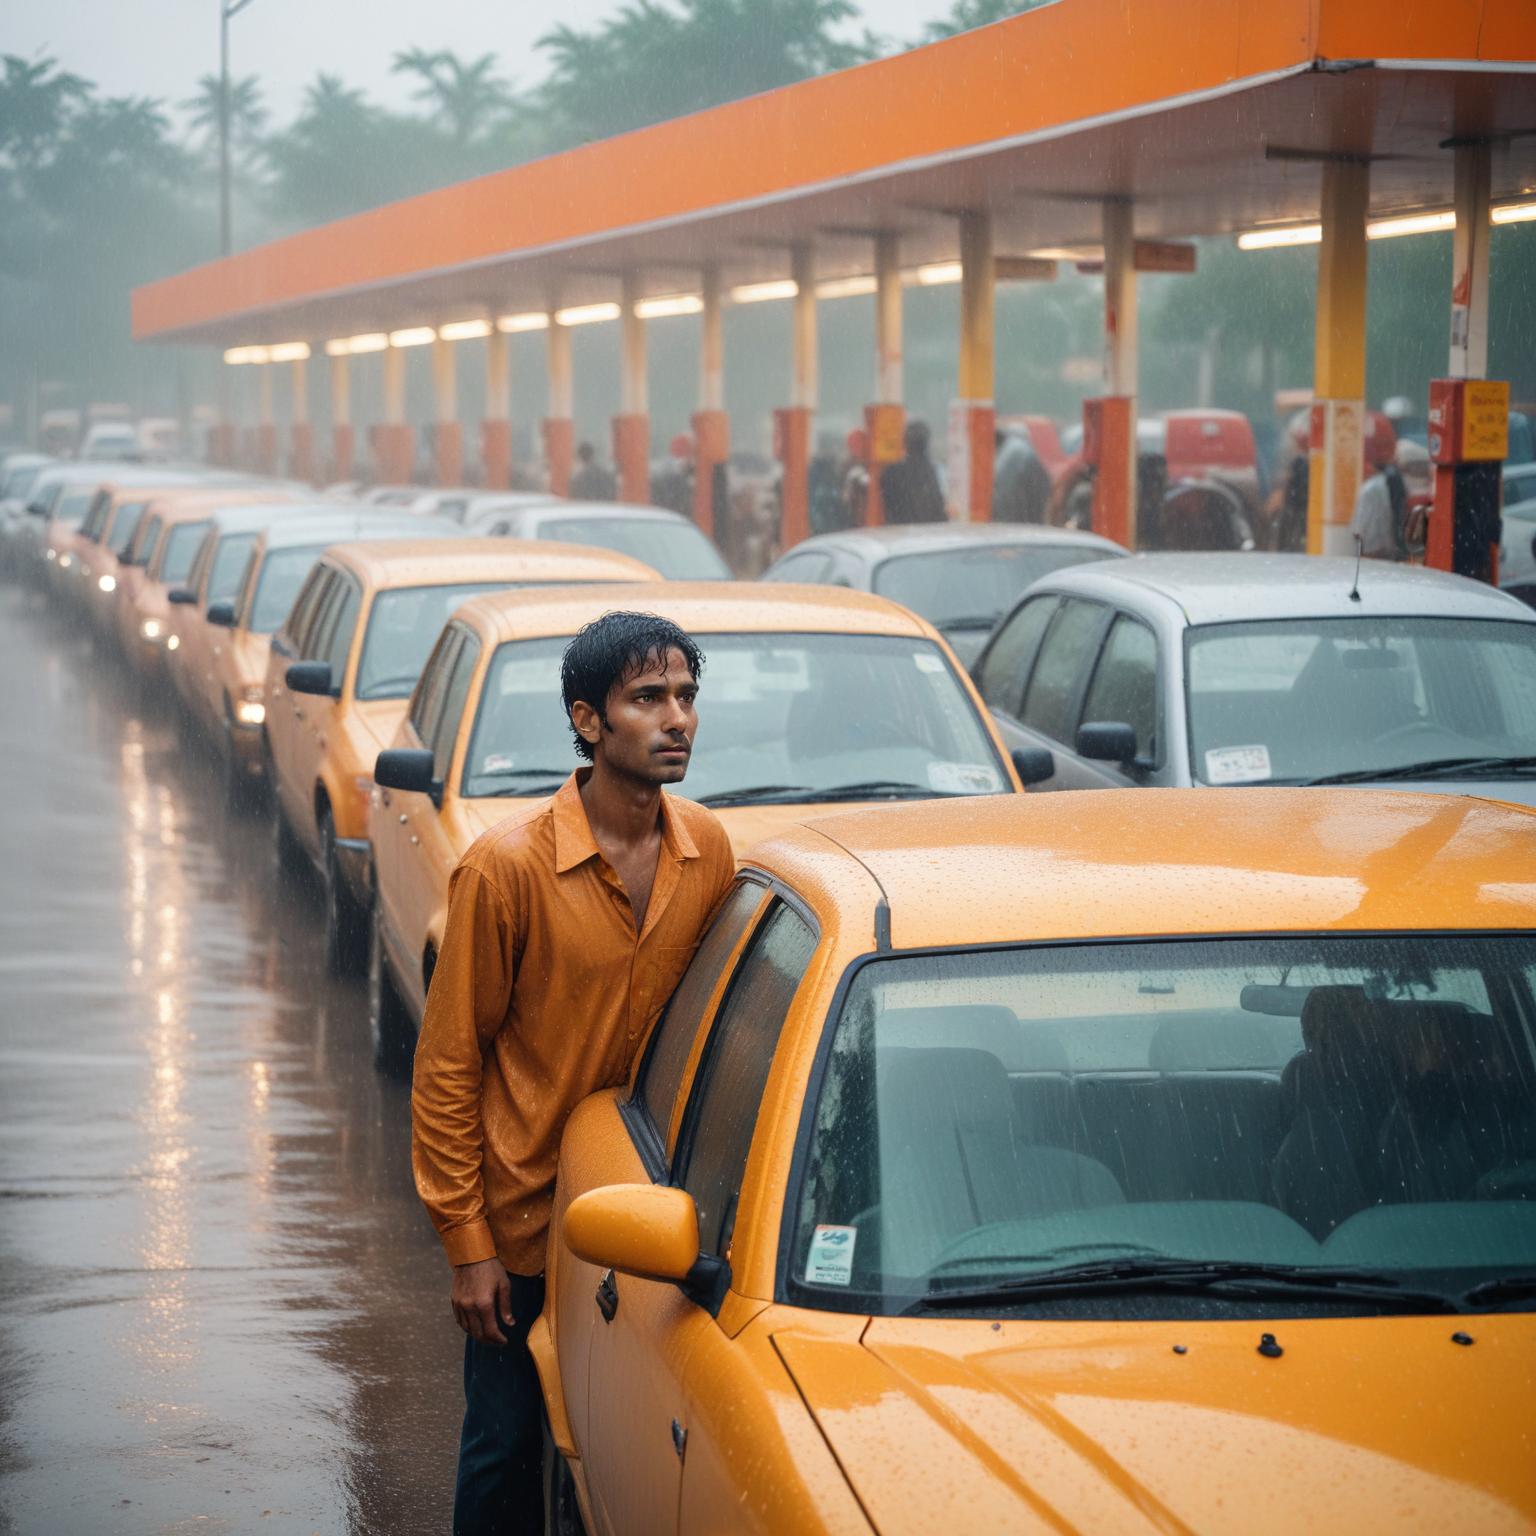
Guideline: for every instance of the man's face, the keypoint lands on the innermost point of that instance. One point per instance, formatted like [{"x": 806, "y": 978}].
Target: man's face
[{"x": 651, "y": 723}]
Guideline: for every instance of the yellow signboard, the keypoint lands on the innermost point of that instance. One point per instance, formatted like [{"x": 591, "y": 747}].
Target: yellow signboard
[{"x": 1485, "y": 420}]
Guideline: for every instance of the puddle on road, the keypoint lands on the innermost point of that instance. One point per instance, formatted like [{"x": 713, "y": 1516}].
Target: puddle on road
[{"x": 221, "y": 1308}]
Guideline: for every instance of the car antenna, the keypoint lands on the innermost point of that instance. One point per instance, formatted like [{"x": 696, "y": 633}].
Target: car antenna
[{"x": 1354, "y": 591}]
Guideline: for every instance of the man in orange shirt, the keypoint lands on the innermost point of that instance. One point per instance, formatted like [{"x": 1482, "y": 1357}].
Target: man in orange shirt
[{"x": 568, "y": 928}]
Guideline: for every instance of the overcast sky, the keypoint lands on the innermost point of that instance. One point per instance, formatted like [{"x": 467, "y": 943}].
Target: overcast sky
[{"x": 160, "y": 47}]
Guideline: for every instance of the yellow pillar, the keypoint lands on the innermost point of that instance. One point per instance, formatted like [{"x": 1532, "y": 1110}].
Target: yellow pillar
[
  {"x": 447, "y": 437},
  {"x": 711, "y": 428},
  {"x": 394, "y": 449},
  {"x": 712, "y": 344},
  {"x": 973, "y": 414},
  {"x": 301, "y": 454},
  {"x": 1114, "y": 497},
  {"x": 803, "y": 358},
  {"x": 1338, "y": 375},
  {"x": 559, "y": 429},
  {"x": 496, "y": 429},
  {"x": 632, "y": 427},
  {"x": 343, "y": 451},
  {"x": 888, "y": 296}
]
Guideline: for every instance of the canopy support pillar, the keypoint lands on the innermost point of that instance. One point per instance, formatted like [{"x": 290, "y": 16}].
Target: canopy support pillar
[
  {"x": 343, "y": 444},
  {"x": 886, "y": 419},
  {"x": 559, "y": 429},
  {"x": 496, "y": 429},
  {"x": 711, "y": 425},
  {"x": 1111, "y": 437},
  {"x": 973, "y": 415}
]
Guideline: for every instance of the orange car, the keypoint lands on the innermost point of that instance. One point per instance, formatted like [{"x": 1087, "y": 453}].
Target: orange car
[
  {"x": 100, "y": 541},
  {"x": 811, "y": 697},
  {"x": 1092, "y": 1166},
  {"x": 159, "y": 558},
  {"x": 341, "y": 669},
  {"x": 227, "y": 652}
]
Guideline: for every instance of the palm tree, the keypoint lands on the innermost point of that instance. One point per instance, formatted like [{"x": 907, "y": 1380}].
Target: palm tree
[
  {"x": 36, "y": 99},
  {"x": 247, "y": 115},
  {"x": 467, "y": 94},
  {"x": 970, "y": 14}
]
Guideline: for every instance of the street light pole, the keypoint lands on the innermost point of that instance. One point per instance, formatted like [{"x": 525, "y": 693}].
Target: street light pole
[{"x": 227, "y": 9}]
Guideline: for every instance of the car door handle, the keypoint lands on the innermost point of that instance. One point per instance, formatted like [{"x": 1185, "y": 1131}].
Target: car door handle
[
  {"x": 607, "y": 1296},
  {"x": 403, "y": 817},
  {"x": 415, "y": 841}
]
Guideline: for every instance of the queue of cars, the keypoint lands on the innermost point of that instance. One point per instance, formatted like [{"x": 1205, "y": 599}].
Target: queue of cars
[{"x": 1040, "y": 1163}]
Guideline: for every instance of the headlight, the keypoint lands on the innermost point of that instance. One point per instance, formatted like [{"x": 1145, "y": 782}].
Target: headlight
[
  {"x": 173, "y": 643},
  {"x": 151, "y": 629},
  {"x": 250, "y": 712},
  {"x": 107, "y": 583},
  {"x": 51, "y": 553},
  {"x": 65, "y": 561}
]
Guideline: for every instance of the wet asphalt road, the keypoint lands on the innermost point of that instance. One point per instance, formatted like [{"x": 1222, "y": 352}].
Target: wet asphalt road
[{"x": 221, "y": 1308}]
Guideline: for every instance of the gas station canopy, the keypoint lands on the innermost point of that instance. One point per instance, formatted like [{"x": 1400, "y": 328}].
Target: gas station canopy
[{"x": 1210, "y": 117}]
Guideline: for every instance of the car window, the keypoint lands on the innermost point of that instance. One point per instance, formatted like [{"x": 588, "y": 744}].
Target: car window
[
  {"x": 671, "y": 1044},
  {"x": 722, "y": 1109},
  {"x": 1124, "y": 686},
  {"x": 426, "y": 702},
  {"x": 141, "y": 547},
  {"x": 403, "y": 624},
  {"x": 124, "y": 526},
  {"x": 300, "y": 624},
  {"x": 973, "y": 587},
  {"x": 226, "y": 573},
  {"x": 177, "y": 549},
  {"x": 1064, "y": 656},
  {"x": 90, "y": 527},
  {"x": 343, "y": 624},
  {"x": 445, "y": 729},
  {"x": 281, "y": 575},
  {"x": 1004, "y": 670}
]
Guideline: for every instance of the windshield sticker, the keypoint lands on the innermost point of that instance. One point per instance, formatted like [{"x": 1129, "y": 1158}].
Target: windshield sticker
[
  {"x": 926, "y": 661},
  {"x": 1237, "y": 765},
  {"x": 498, "y": 762},
  {"x": 830, "y": 1261},
  {"x": 963, "y": 778}
]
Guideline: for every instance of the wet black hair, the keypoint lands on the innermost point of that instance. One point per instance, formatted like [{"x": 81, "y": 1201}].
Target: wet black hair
[{"x": 609, "y": 651}]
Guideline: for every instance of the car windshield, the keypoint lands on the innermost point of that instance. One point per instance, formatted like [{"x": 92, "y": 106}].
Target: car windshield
[
  {"x": 1295, "y": 700},
  {"x": 403, "y": 626},
  {"x": 277, "y": 584},
  {"x": 990, "y": 1118},
  {"x": 229, "y": 563},
  {"x": 179, "y": 550},
  {"x": 124, "y": 526},
  {"x": 678, "y": 550},
  {"x": 782, "y": 717},
  {"x": 976, "y": 585}
]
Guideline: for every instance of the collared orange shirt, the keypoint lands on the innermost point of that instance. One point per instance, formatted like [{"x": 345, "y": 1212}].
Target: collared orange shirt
[{"x": 543, "y": 994}]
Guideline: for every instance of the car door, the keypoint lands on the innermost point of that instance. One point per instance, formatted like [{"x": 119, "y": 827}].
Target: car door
[
  {"x": 637, "y": 1422},
  {"x": 391, "y": 830},
  {"x": 331, "y": 642},
  {"x": 285, "y": 711},
  {"x": 426, "y": 856},
  {"x": 589, "y": 1161}
]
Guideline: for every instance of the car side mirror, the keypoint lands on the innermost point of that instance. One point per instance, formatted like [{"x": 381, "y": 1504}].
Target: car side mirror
[
  {"x": 222, "y": 613},
  {"x": 407, "y": 768},
  {"x": 1107, "y": 741},
  {"x": 650, "y": 1231},
  {"x": 310, "y": 677},
  {"x": 181, "y": 595},
  {"x": 1034, "y": 765}
]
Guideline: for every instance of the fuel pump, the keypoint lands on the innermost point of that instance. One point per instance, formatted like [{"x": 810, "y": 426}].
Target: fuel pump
[{"x": 1468, "y": 442}]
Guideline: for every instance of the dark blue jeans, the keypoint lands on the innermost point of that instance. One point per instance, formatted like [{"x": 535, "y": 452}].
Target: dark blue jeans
[{"x": 501, "y": 1447}]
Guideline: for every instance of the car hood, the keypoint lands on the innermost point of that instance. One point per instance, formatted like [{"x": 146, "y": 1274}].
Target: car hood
[
  {"x": 381, "y": 718},
  {"x": 1361, "y": 1424},
  {"x": 744, "y": 824}
]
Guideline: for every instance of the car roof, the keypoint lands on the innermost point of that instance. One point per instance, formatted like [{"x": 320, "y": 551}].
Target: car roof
[
  {"x": 1227, "y": 588},
  {"x": 876, "y": 544},
  {"x": 622, "y": 510},
  {"x": 1126, "y": 863},
  {"x": 700, "y": 607},
  {"x": 328, "y": 524},
  {"x": 247, "y": 518},
  {"x": 435, "y": 562}
]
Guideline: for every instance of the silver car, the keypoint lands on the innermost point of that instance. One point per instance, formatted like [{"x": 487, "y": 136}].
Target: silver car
[
  {"x": 961, "y": 577},
  {"x": 665, "y": 541},
  {"x": 1211, "y": 669}
]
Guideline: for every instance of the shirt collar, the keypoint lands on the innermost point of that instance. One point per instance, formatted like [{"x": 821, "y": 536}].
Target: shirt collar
[{"x": 574, "y": 843}]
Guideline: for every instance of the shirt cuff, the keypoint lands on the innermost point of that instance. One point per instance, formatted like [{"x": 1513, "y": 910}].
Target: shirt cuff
[{"x": 469, "y": 1244}]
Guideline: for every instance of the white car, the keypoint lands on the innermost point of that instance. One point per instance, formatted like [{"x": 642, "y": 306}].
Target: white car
[
  {"x": 665, "y": 541},
  {"x": 1517, "y": 547},
  {"x": 1212, "y": 669}
]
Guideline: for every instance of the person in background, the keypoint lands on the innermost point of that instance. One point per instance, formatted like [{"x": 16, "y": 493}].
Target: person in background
[
  {"x": 823, "y": 488},
  {"x": 909, "y": 488},
  {"x": 1286, "y": 509},
  {"x": 568, "y": 927},
  {"x": 1382, "y": 503},
  {"x": 855, "y": 478},
  {"x": 592, "y": 481},
  {"x": 1021, "y": 484}
]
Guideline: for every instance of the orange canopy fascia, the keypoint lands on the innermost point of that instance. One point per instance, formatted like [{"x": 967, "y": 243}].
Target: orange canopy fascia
[{"x": 728, "y": 182}]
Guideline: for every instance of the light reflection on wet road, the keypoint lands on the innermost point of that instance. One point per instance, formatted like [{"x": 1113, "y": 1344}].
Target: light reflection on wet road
[{"x": 221, "y": 1308}]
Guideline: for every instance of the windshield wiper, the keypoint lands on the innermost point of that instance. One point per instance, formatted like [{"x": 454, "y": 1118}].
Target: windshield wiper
[
  {"x": 518, "y": 791},
  {"x": 968, "y": 621},
  {"x": 1434, "y": 768},
  {"x": 554, "y": 778},
  {"x": 1509, "y": 1288},
  {"x": 755, "y": 792},
  {"x": 1190, "y": 1277},
  {"x": 886, "y": 789}
]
